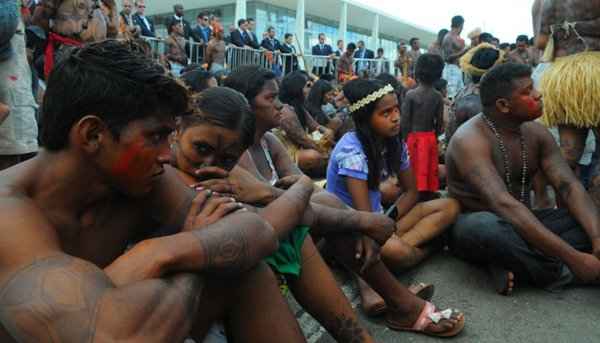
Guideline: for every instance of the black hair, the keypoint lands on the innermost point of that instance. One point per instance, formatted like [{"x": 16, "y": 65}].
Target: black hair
[
  {"x": 321, "y": 34},
  {"x": 523, "y": 38},
  {"x": 249, "y": 80},
  {"x": 197, "y": 80},
  {"x": 457, "y": 21},
  {"x": 484, "y": 58},
  {"x": 351, "y": 46},
  {"x": 250, "y": 20},
  {"x": 441, "y": 35},
  {"x": 412, "y": 40},
  {"x": 202, "y": 15},
  {"x": 223, "y": 107},
  {"x": 112, "y": 80},
  {"x": 486, "y": 37},
  {"x": 339, "y": 41},
  {"x": 171, "y": 25},
  {"x": 429, "y": 68},
  {"x": 441, "y": 85},
  {"x": 327, "y": 77},
  {"x": 504, "y": 46},
  {"x": 532, "y": 41},
  {"x": 389, "y": 79},
  {"x": 498, "y": 82},
  {"x": 241, "y": 22},
  {"x": 495, "y": 41},
  {"x": 270, "y": 28},
  {"x": 380, "y": 50},
  {"x": 513, "y": 46},
  {"x": 292, "y": 93},
  {"x": 355, "y": 91},
  {"x": 316, "y": 99},
  {"x": 287, "y": 35}
]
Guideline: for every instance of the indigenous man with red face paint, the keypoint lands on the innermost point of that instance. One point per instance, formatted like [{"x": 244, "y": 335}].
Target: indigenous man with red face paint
[
  {"x": 491, "y": 161},
  {"x": 68, "y": 215}
]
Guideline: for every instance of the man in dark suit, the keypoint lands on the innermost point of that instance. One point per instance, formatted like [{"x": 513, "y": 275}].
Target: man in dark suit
[
  {"x": 270, "y": 43},
  {"x": 178, "y": 17},
  {"x": 146, "y": 25},
  {"x": 320, "y": 64},
  {"x": 201, "y": 34},
  {"x": 237, "y": 37},
  {"x": 288, "y": 48},
  {"x": 252, "y": 39},
  {"x": 363, "y": 53}
]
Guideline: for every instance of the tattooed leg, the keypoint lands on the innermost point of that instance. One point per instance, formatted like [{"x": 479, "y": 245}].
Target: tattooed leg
[{"x": 319, "y": 294}]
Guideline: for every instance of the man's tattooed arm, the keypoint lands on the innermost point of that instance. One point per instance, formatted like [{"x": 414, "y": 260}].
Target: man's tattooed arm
[
  {"x": 562, "y": 178},
  {"x": 60, "y": 298},
  {"x": 288, "y": 210},
  {"x": 233, "y": 244},
  {"x": 479, "y": 171}
]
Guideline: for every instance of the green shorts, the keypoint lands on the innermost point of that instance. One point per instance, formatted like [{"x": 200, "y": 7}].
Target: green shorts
[{"x": 287, "y": 260}]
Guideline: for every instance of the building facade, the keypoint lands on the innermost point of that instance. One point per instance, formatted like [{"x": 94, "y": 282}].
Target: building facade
[{"x": 338, "y": 19}]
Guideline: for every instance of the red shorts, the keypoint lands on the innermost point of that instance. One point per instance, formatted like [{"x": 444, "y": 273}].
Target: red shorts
[{"x": 423, "y": 150}]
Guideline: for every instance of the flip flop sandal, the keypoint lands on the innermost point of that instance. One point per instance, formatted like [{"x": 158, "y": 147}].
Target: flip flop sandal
[{"x": 429, "y": 315}]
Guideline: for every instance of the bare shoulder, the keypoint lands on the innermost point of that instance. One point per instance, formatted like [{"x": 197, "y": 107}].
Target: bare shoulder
[
  {"x": 537, "y": 130},
  {"x": 23, "y": 225},
  {"x": 469, "y": 133},
  {"x": 273, "y": 142}
]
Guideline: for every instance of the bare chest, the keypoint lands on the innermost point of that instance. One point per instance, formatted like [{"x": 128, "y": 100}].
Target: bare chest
[
  {"x": 516, "y": 161},
  {"x": 100, "y": 235}
]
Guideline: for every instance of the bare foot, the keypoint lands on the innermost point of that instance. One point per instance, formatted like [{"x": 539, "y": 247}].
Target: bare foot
[{"x": 504, "y": 280}]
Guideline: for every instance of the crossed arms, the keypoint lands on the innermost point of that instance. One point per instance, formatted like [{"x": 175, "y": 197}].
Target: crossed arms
[{"x": 149, "y": 294}]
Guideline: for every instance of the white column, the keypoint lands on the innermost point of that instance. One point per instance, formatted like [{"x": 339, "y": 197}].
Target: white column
[
  {"x": 375, "y": 33},
  {"x": 343, "y": 22},
  {"x": 299, "y": 38},
  {"x": 240, "y": 10}
]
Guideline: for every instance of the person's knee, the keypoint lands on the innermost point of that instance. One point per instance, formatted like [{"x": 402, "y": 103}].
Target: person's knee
[
  {"x": 451, "y": 209},
  {"x": 329, "y": 200},
  {"x": 474, "y": 226},
  {"x": 310, "y": 158}
]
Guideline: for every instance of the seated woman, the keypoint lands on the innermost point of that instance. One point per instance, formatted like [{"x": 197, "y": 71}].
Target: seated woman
[
  {"x": 307, "y": 142},
  {"x": 211, "y": 140},
  {"x": 364, "y": 158},
  {"x": 320, "y": 105},
  {"x": 353, "y": 237}
]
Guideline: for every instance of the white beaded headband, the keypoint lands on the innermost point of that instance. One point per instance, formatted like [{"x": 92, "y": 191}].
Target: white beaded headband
[{"x": 370, "y": 98}]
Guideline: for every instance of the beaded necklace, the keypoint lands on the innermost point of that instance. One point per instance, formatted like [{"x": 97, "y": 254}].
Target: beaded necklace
[{"x": 507, "y": 173}]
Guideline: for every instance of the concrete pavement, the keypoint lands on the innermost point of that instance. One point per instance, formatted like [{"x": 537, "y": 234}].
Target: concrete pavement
[{"x": 529, "y": 315}]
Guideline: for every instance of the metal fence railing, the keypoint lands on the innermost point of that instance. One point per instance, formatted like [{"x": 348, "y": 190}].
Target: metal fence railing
[{"x": 281, "y": 64}]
